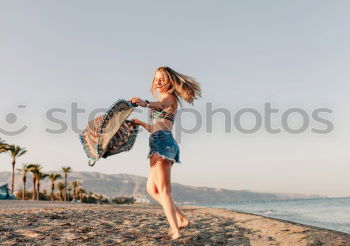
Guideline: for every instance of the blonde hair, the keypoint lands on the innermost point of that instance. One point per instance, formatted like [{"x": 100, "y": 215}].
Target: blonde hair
[{"x": 183, "y": 86}]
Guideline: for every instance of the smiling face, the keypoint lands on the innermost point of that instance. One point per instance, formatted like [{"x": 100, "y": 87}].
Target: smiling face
[{"x": 159, "y": 81}]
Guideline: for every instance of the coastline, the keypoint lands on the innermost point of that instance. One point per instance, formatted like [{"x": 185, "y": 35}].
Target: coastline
[
  {"x": 328, "y": 213},
  {"x": 52, "y": 223},
  {"x": 278, "y": 229}
]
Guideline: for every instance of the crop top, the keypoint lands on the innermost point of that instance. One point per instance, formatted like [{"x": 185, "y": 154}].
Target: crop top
[{"x": 162, "y": 114}]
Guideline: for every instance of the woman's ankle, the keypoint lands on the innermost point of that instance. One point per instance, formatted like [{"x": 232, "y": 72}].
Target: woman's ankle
[{"x": 175, "y": 230}]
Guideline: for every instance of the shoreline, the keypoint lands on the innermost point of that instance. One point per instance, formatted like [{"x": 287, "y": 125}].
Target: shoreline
[
  {"x": 279, "y": 219},
  {"x": 316, "y": 228},
  {"x": 52, "y": 223}
]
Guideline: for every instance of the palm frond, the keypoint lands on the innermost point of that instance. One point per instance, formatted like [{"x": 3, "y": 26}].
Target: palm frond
[
  {"x": 66, "y": 169},
  {"x": 54, "y": 176},
  {"x": 16, "y": 151}
]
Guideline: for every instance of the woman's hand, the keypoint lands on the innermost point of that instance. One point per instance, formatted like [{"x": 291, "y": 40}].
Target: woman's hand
[
  {"x": 138, "y": 101},
  {"x": 136, "y": 121}
]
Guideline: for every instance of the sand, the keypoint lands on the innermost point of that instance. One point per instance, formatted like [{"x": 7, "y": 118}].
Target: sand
[{"x": 60, "y": 223}]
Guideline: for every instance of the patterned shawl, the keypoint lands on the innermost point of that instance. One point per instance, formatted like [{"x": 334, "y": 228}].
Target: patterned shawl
[{"x": 110, "y": 133}]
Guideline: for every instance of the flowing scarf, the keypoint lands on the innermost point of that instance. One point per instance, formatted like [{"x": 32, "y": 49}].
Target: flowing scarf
[{"x": 110, "y": 133}]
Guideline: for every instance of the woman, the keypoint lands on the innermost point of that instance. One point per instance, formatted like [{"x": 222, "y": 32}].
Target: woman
[{"x": 170, "y": 86}]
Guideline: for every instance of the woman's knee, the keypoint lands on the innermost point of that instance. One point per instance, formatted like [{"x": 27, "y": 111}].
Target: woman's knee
[
  {"x": 151, "y": 191},
  {"x": 165, "y": 190},
  {"x": 151, "y": 188}
]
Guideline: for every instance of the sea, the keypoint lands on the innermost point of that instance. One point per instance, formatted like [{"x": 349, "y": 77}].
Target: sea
[{"x": 330, "y": 213}]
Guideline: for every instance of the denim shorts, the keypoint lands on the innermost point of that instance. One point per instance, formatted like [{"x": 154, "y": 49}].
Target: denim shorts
[{"x": 164, "y": 144}]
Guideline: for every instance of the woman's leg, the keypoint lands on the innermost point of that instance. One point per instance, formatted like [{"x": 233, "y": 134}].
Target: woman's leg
[
  {"x": 152, "y": 190},
  {"x": 161, "y": 175}
]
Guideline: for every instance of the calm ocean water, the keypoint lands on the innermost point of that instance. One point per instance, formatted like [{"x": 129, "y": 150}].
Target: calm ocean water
[{"x": 330, "y": 213}]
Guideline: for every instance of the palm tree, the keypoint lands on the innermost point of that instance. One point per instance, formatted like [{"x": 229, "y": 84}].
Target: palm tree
[
  {"x": 34, "y": 169},
  {"x": 80, "y": 193},
  {"x": 61, "y": 187},
  {"x": 3, "y": 146},
  {"x": 75, "y": 185},
  {"x": 66, "y": 170},
  {"x": 15, "y": 152},
  {"x": 40, "y": 176},
  {"x": 53, "y": 178},
  {"x": 24, "y": 170}
]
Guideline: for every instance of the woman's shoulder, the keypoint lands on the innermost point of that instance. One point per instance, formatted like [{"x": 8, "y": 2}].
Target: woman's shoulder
[{"x": 172, "y": 102}]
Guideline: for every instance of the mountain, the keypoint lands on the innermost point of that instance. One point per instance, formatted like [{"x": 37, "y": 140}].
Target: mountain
[{"x": 112, "y": 185}]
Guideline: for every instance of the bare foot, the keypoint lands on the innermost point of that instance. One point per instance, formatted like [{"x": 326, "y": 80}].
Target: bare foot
[
  {"x": 184, "y": 223},
  {"x": 175, "y": 235}
]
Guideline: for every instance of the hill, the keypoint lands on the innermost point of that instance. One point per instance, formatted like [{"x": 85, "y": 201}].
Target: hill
[{"x": 112, "y": 185}]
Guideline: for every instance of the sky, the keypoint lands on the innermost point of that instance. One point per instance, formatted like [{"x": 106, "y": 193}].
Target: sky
[{"x": 245, "y": 54}]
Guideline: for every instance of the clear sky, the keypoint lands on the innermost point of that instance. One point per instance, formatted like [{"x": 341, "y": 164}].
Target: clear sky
[{"x": 244, "y": 54}]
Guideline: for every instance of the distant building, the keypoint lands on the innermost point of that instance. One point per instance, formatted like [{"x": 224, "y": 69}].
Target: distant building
[
  {"x": 185, "y": 203},
  {"x": 5, "y": 193},
  {"x": 4, "y": 188},
  {"x": 141, "y": 199}
]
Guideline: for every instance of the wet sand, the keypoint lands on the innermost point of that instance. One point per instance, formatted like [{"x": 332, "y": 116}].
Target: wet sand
[{"x": 60, "y": 223}]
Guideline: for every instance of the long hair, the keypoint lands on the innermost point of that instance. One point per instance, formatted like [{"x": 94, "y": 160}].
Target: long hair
[{"x": 182, "y": 86}]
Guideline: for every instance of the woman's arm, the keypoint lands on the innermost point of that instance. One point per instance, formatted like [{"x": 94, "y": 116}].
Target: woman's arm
[
  {"x": 158, "y": 105},
  {"x": 148, "y": 127},
  {"x": 165, "y": 102}
]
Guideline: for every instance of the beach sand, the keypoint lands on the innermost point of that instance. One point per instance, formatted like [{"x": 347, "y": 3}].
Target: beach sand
[{"x": 60, "y": 223}]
